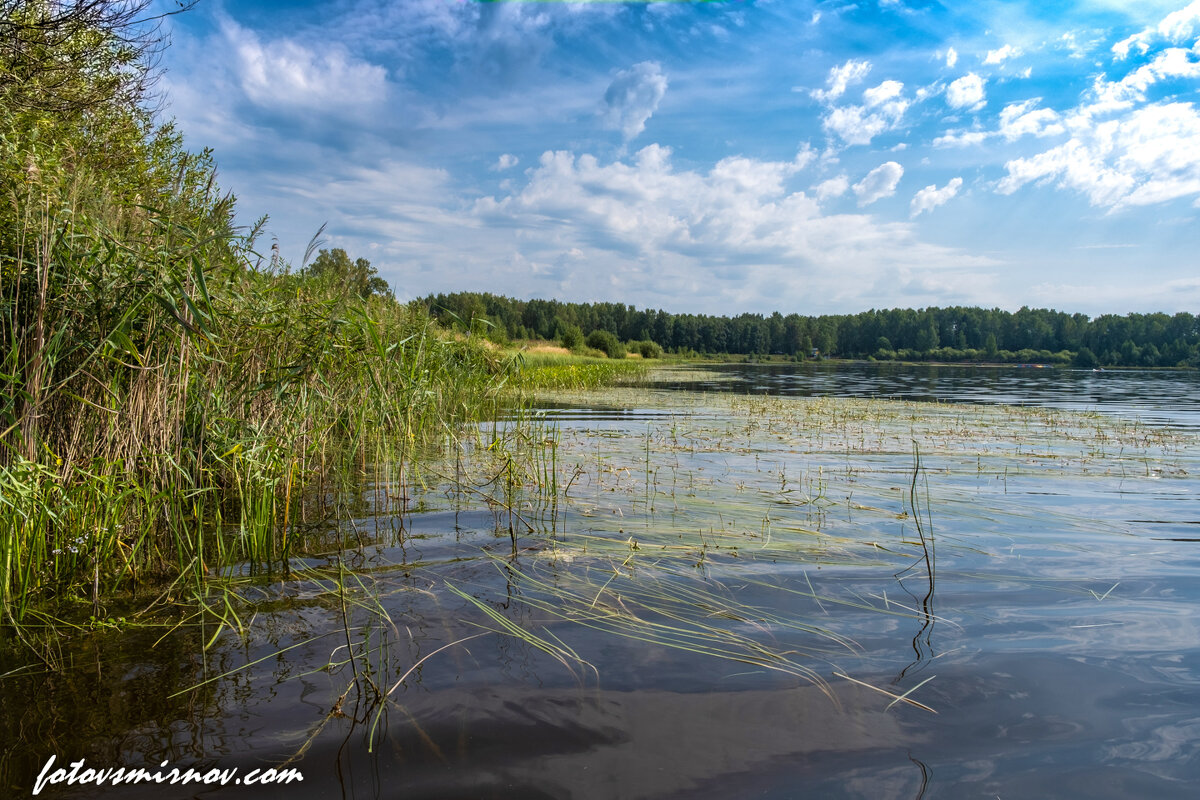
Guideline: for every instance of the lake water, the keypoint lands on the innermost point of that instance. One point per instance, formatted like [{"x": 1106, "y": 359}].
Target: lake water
[{"x": 865, "y": 581}]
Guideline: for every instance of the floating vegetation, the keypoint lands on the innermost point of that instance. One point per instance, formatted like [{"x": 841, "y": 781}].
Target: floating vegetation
[
  {"x": 778, "y": 533},
  {"x": 637, "y": 552}
]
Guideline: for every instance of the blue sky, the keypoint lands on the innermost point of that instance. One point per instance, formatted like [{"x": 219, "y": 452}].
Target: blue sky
[{"x": 716, "y": 157}]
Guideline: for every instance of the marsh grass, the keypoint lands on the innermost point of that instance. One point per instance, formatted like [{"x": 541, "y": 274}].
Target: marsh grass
[
  {"x": 776, "y": 532},
  {"x": 173, "y": 404},
  {"x": 556, "y": 372},
  {"x": 666, "y": 531}
]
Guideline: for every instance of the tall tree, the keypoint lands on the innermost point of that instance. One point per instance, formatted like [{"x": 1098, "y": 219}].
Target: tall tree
[{"x": 357, "y": 276}]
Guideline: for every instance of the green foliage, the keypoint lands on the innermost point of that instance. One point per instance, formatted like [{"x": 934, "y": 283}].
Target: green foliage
[
  {"x": 947, "y": 334},
  {"x": 574, "y": 373},
  {"x": 606, "y": 342},
  {"x": 358, "y": 277},
  {"x": 572, "y": 337},
  {"x": 165, "y": 405},
  {"x": 648, "y": 349},
  {"x": 1086, "y": 359}
]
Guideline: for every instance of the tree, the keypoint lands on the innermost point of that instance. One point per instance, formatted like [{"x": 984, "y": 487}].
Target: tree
[
  {"x": 65, "y": 56},
  {"x": 358, "y": 276},
  {"x": 572, "y": 337},
  {"x": 927, "y": 337}
]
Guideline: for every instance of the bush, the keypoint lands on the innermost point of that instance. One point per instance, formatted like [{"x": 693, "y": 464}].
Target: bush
[
  {"x": 572, "y": 338},
  {"x": 648, "y": 349},
  {"x": 606, "y": 341}
]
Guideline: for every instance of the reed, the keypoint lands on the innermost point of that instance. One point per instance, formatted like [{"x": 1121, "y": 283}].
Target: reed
[{"x": 171, "y": 404}]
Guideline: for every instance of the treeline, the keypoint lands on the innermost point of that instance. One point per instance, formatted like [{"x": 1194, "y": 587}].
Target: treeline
[{"x": 940, "y": 334}]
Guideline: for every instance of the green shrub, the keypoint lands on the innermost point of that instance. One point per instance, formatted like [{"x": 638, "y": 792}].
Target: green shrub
[
  {"x": 648, "y": 349},
  {"x": 606, "y": 341},
  {"x": 572, "y": 338}
]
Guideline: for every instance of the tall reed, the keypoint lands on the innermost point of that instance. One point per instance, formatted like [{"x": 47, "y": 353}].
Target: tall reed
[{"x": 170, "y": 400}]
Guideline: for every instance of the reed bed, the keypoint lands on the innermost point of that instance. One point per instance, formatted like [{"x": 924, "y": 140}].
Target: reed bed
[
  {"x": 173, "y": 403},
  {"x": 557, "y": 372}
]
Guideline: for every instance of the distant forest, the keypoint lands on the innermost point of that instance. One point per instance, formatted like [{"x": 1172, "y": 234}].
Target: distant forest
[{"x": 929, "y": 334}]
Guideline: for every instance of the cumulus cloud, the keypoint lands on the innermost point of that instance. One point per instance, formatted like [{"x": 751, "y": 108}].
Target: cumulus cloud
[
  {"x": 1026, "y": 119},
  {"x": 879, "y": 183},
  {"x": 962, "y": 138},
  {"x": 840, "y": 78},
  {"x": 966, "y": 92},
  {"x": 506, "y": 161},
  {"x": 882, "y": 109},
  {"x": 951, "y": 57},
  {"x": 883, "y": 93},
  {"x": 931, "y": 197},
  {"x": 1151, "y": 155},
  {"x": 284, "y": 74},
  {"x": 738, "y": 212},
  {"x": 633, "y": 97},
  {"x": 1016, "y": 120},
  {"x": 1175, "y": 27},
  {"x": 1110, "y": 96},
  {"x": 834, "y": 187},
  {"x": 1002, "y": 54}
]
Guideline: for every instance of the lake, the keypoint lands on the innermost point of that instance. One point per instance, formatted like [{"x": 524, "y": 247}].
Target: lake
[{"x": 844, "y": 581}]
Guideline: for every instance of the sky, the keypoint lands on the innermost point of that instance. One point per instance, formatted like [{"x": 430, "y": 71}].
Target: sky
[{"x": 715, "y": 157}]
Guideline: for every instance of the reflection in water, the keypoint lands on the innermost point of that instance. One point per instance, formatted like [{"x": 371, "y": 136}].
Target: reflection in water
[
  {"x": 922, "y": 643},
  {"x": 117, "y": 697},
  {"x": 1068, "y": 621},
  {"x": 1155, "y": 396},
  {"x": 925, "y": 775}
]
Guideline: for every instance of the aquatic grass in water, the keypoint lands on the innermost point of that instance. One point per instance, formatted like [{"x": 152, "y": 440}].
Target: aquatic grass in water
[
  {"x": 714, "y": 549},
  {"x": 551, "y": 372},
  {"x": 668, "y": 515},
  {"x": 777, "y": 533}
]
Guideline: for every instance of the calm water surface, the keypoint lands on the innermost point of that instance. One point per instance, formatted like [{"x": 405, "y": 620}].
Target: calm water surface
[
  {"x": 1162, "y": 396},
  {"x": 743, "y": 592}
]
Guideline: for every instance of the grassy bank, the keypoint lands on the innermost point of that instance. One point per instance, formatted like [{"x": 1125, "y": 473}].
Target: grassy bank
[
  {"x": 553, "y": 371},
  {"x": 172, "y": 400}
]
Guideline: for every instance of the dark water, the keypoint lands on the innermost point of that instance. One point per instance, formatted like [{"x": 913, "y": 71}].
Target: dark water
[
  {"x": 1163, "y": 396},
  {"x": 1055, "y": 630}
]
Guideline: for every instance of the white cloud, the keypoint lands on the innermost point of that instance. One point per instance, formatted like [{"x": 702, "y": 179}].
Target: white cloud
[
  {"x": 737, "y": 213},
  {"x": 878, "y": 95},
  {"x": 633, "y": 97},
  {"x": 1071, "y": 43},
  {"x": 962, "y": 139},
  {"x": 506, "y": 161},
  {"x": 841, "y": 77},
  {"x": 1026, "y": 119},
  {"x": 834, "y": 187},
  {"x": 1002, "y": 54},
  {"x": 1175, "y": 27},
  {"x": 1107, "y": 97},
  {"x": 882, "y": 110},
  {"x": 966, "y": 92},
  {"x": 858, "y": 125},
  {"x": 284, "y": 74},
  {"x": 951, "y": 57},
  {"x": 1149, "y": 156},
  {"x": 931, "y": 197},
  {"x": 879, "y": 183}
]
